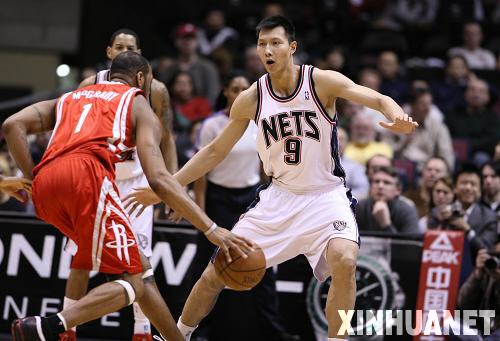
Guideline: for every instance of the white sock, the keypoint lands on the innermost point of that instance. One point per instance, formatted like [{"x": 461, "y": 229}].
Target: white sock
[
  {"x": 68, "y": 302},
  {"x": 186, "y": 331},
  {"x": 141, "y": 322}
]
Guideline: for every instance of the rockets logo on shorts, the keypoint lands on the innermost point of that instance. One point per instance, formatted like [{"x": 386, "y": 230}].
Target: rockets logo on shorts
[
  {"x": 121, "y": 242},
  {"x": 339, "y": 225}
]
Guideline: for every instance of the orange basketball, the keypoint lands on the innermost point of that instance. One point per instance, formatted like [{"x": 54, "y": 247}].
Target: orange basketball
[{"x": 241, "y": 273}]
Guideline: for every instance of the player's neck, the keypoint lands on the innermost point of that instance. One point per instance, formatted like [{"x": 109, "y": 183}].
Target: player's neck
[{"x": 285, "y": 81}]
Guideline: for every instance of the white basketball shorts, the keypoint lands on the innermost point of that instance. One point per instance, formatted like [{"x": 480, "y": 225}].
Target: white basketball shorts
[
  {"x": 285, "y": 225},
  {"x": 142, "y": 225}
]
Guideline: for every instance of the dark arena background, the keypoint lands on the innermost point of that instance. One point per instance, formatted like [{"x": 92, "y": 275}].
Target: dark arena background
[{"x": 429, "y": 235}]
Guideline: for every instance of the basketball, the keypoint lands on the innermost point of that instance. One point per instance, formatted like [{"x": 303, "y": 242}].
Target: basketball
[{"x": 241, "y": 273}]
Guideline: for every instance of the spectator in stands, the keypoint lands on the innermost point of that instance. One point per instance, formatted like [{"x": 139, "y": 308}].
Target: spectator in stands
[
  {"x": 204, "y": 73},
  {"x": 363, "y": 145},
  {"x": 187, "y": 107},
  {"x": 253, "y": 66},
  {"x": 356, "y": 178},
  {"x": 490, "y": 172},
  {"x": 475, "y": 122},
  {"x": 449, "y": 92},
  {"x": 392, "y": 83},
  {"x": 477, "y": 220},
  {"x": 371, "y": 79},
  {"x": 215, "y": 34},
  {"x": 335, "y": 59},
  {"x": 375, "y": 162},
  {"x": 482, "y": 289},
  {"x": 431, "y": 139},
  {"x": 383, "y": 210},
  {"x": 434, "y": 169},
  {"x": 474, "y": 54},
  {"x": 8, "y": 203},
  {"x": 417, "y": 85},
  {"x": 496, "y": 156},
  {"x": 271, "y": 9},
  {"x": 440, "y": 211},
  {"x": 410, "y": 15}
]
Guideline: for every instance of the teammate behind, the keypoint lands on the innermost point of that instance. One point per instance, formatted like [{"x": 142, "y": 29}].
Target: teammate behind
[
  {"x": 129, "y": 175},
  {"x": 74, "y": 190},
  {"x": 305, "y": 209}
]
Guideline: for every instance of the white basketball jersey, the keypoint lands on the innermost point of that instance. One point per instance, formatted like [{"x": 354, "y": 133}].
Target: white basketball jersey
[
  {"x": 297, "y": 140},
  {"x": 130, "y": 168}
]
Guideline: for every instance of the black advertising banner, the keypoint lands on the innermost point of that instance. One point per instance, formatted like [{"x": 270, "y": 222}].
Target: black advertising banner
[{"x": 34, "y": 268}]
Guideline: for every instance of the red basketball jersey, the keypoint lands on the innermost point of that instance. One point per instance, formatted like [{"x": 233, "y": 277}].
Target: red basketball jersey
[{"x": 96, "y": 119}]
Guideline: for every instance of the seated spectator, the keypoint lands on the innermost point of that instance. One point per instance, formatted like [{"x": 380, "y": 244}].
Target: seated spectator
[
  {"x": 187, "y": 107},
  {"x": 474, "y": 54},
  {"x": 475, "y": 122},
  {"x": 392, "y": 83},
  {"x": 417, "y": 85},
  {"x": 371, "y": 79},
  {"x": 204, "y": 73},
  {"x": 253, "y": 66},
  {"x": 434, "y": 169},
  {"x": 441, "y": 211},
  {"x": 8, "y": 203},
  {"x": 363, "y": 145},
  {"x": 477, "y": 220},
  {"x": 410, "y": 15},
  {"x": 490, "y": 172},
  {"x": 383, "y": 210},
  {"x": 355, "y": 173},
  {"x": 482, "y": 289},
  {"x": 449, "y": 92},
  {"x": 431, "y": 139},
  {"x": 375, "y": 162},
  {"x": 215, "y": 34}
]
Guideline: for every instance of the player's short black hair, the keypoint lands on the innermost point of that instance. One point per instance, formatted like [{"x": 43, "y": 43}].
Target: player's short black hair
[
  {"x": 129, "y": 63},
  {"x": 124, "y": 31},
  {"x": 277, "y": 21}
]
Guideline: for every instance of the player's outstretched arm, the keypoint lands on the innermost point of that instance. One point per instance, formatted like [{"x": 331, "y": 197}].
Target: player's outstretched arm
[
  {"x": 37, "y": 118},
  {"x": 331, "y": 83},
  {"x": 148, "y": 137},
  {"x": 242, "y": 111}
]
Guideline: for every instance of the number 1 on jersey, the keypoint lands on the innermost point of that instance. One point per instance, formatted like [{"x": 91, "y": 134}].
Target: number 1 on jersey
[{"x": 83, "y": 116}]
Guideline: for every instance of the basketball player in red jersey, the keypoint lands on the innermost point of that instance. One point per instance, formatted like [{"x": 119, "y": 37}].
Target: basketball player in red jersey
[
  {"x": 129, "y": 175},
  {"x": 74, "y": 190}
]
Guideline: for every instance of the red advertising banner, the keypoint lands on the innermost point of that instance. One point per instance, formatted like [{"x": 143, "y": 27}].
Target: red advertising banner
[{"x": 439, "y": 279}]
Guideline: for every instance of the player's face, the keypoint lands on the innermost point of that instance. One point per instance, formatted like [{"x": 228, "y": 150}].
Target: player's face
[
  {"x": 235, "y": 87},
  {"x": 274, "y": 49},
  {"x": 123, "y": 42}
]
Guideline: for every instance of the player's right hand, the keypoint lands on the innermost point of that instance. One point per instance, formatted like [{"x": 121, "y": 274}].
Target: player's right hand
[
  {"x": 227, "y": 240},
  {"x": 11, "y": 185},
  {"x": 140, "y": 198}
]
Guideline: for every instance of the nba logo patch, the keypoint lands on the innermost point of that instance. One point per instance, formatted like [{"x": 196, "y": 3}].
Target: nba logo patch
[
  {"x": 339, "y": 225},
  {"x": 306, "y": 95}
]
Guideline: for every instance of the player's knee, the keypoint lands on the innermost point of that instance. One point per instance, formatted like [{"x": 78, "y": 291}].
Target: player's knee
[
  {"x": 133, "y": 286},
  {"x": 344, "y": 266},
  {"x": 210, "y": 279}
]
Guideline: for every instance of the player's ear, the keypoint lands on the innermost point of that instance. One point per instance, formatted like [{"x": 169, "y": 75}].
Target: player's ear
[
  {"x": 140, "y": 79},
  {"x": 108, "y": 52},
  {"x": 293, "y": 46}
]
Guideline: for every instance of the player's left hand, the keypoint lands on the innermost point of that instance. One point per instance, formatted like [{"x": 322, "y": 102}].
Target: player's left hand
[
  {"x": 401, "y": 125},
  {"x": 140, "y": 198},
  {"x": 11, "y": 185}
]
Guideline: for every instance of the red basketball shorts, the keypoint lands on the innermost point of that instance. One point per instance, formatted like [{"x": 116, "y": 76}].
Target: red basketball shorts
[{"x": 77, "y": 194}]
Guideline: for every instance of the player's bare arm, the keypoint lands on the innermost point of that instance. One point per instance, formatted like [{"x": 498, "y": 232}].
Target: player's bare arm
[
  {"x": 242, "y": 111},
  {"x": 37, "y": 118},
  {"x": 87, "y": 81},
  {"x": 160, "y": 101},
  {"x": 331, "y": 84},
  {"x": 148, "y": 135}
]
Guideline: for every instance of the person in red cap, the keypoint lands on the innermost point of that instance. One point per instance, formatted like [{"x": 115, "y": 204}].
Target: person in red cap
[{"x": 204, "y": 73}]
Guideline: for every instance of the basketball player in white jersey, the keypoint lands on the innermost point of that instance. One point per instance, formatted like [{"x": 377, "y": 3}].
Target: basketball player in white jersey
[
  {"x": 129, "y": 175},
  {"x": 306, "y": 208}
]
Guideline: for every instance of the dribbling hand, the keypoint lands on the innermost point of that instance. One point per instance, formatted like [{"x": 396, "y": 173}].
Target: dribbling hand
[
  {"x": 227, "y": 240},
  {"x": 401, "y": 125},
  {"x": 11, "y": 185},
  {"x": 140, "y": 198}
]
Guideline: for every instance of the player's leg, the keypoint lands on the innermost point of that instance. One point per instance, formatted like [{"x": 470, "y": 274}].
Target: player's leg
[
  {"x": 76, "y": 288},
  {"x": 200, "y": 301},
  {"x": 341, "y": 257}
]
